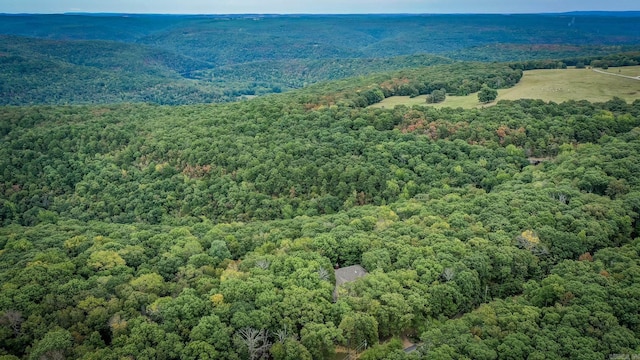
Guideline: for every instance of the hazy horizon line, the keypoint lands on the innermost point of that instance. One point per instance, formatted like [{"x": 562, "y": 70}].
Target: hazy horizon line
[{"x": 318, "y": 14}]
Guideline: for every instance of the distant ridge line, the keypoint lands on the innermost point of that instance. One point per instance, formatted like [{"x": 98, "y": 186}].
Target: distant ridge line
[{"x": 629, "y": 13}]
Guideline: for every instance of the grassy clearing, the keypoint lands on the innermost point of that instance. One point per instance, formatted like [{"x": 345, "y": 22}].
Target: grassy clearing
[
  {"x": 574, "y": 84},
  {"x": 627, "y": 70},
  {"x": 547, "y": 85}
]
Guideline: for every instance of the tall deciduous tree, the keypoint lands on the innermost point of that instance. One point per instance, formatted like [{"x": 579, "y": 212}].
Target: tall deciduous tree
[
  {"x": 320, "y": 339},
  {"x": 359, "y": 329},
  {"x": 487, "y": 94}
]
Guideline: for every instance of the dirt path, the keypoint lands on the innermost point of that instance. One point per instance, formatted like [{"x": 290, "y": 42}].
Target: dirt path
[{"x": 614, "y": 74}]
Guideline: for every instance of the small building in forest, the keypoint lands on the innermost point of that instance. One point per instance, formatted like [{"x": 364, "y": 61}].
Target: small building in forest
[{"x": 346, "y": 275}]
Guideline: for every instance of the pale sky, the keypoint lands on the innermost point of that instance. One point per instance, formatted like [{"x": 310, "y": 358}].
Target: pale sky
[{"x": 311, "y": 7}]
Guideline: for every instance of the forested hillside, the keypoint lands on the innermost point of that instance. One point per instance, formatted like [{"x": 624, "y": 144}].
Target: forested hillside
[
  {"x": 174, "y": 60},
  {"x": 36, "y": 71},
  {"x": 212, "y": 231},
  {"x": 314, "y": 36}
]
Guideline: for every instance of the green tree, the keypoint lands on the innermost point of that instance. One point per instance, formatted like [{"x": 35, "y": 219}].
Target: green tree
[
  {"x": 219, "y": 251},
  {"x": 487, "y": 94},
  {"x": 358, "y": 329},
  {"x": 320, "y": 339},
  {"x": 289, "y": 349},
  {"x": 150, "y": 283},
  {"x": 54, "y": 345},
  {"x": 437, "y": 96},
  {"x": 199, "y": 350},
  {"x": 212, "y": 331}
]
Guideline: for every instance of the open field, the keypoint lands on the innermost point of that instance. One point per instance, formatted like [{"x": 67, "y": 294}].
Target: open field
[
  {"x": 574, "y": 84},
  {"x": 548, "y": 85},
  {"x": 626, "y": 70}
]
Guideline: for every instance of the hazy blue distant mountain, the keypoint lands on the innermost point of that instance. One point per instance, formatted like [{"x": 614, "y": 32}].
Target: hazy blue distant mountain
[{"x": 363, "y": 35}]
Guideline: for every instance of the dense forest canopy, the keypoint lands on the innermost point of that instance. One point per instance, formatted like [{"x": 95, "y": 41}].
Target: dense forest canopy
[
  {"x": 364, "y": 35},
  {"x": 211, "y": 231}
]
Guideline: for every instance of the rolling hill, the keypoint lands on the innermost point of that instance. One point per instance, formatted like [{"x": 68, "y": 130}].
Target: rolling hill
[
  {"x": 134, "y": 229},
  {"x": 201, "y": 59}
]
